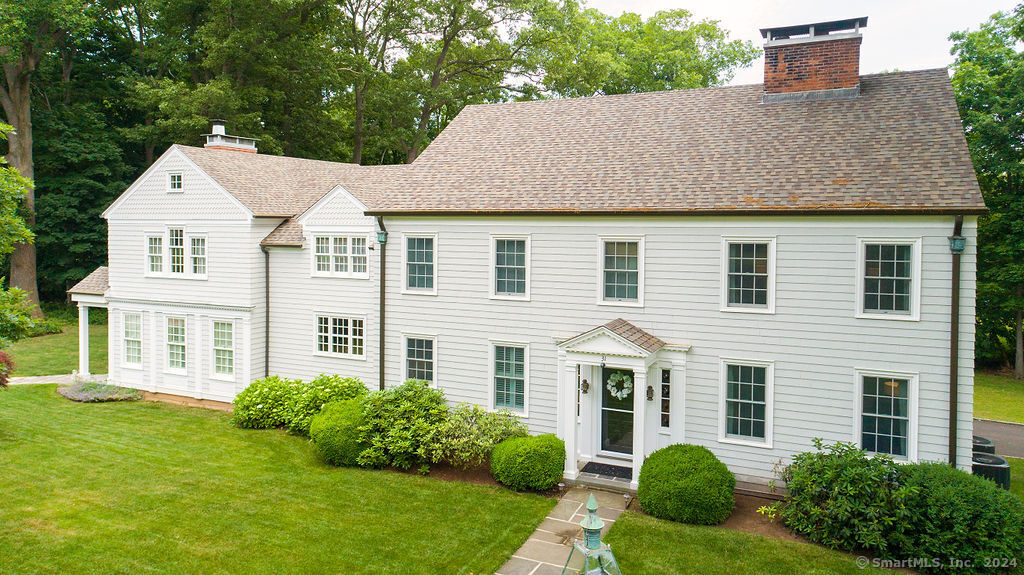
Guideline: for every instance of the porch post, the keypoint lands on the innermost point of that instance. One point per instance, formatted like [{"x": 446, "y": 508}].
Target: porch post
[
  {"x": 639, "y": 422},
  {"x": 83, "y": 340},
  {"x": 567, "y": 411}
]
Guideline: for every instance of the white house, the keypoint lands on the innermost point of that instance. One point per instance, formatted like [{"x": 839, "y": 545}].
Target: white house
[{"x": 745, "y": 268}]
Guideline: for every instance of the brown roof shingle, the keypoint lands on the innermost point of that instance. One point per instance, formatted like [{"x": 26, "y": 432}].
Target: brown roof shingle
[
  {"x": 635, "y": 335},
  {"x": 95, "y": 283},
  {"x": 288, "y": 234}
]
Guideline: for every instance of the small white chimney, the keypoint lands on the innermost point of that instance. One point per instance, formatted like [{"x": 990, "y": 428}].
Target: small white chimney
[{"x": 218, "y": 139}]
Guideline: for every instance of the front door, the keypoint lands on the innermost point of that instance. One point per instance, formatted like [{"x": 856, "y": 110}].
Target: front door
[{"x": 617, "y": 410}]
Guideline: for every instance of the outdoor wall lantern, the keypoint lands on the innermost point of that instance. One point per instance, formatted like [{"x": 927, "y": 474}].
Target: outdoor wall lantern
[
  {"x": 650, "y": 393},
  {"x": 382, "y": 238},
  {"x": 585, "y": 387},
  {"x": 957, "y": 244}
]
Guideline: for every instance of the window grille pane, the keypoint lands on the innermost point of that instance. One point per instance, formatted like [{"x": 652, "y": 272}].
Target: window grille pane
[
  {"x": 745, "y": 402},
  {"x": 176, "y": 343},
  {"x": 509, "y": 377},
  {"x": 621, "y": 271},
  {"x": 223, "y": 347},
  {"x": 323, "y": 333},
  {"x": 199, "y": 256},
  {"x": 175, "y": 181},
  {"x": 419, "y": 358},
  {"x": 748, "y": 274},
  {"x": 176, "y": 243},
  {"x": 322, "y": 253},
  {"x": 887, "y": 278},
  {"x": 358, "y": 255},
  {"x": 339, "y": 335},
  {"x": 510, "y": 267},
  {"x": 133, "y": 338},
  {"x": 340, "y": 250},
  {"x": 885, "y": 415},
  {"x": 156, "y": 254},
  {"x": 420, "y": 263}
]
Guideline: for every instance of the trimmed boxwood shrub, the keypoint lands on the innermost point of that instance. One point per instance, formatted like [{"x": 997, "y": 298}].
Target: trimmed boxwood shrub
[
  {"x": 307, "y": 399},
  {"x": 398, "y": 421},
  {"x": 265, "y": 403},
  {"x": 686, "y": 483},
  {"x": 955, "y": 516},
  {"x": 529, "y": 463},
  {"x": 335, "y": 431},
  {"x": 466, "y": 437}
]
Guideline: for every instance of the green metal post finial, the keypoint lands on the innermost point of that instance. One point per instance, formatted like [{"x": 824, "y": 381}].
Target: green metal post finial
[{"x": 592, "y": 525}]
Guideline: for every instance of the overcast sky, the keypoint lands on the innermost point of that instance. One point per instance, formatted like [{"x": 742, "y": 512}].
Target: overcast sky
[{"x": 901, "y": 34}]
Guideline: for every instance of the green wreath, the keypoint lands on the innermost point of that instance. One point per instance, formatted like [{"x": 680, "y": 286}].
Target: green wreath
[{"x": 620, "y": 386}]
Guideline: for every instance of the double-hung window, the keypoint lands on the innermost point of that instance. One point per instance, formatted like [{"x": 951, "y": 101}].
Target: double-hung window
[
  {"x": 223, "y": 349},
  {"x": 340, "y": 336},
  {"x": 889, "y": 278},
  {"x": 176, "y": 253},
  {"x": 748, "y": 266},
  {"x": 420, "y": 264},
  {"x": 622, "y": 271},
  {"x": 176, "y": 249},
  {"x": 510, "y": 271},
  {"x": 198, "y": 255},
  {"x": 746, "y": 403},
  {"x": 155, "y": 254},
  {"x": 510, "y": 377},
  {"x": 340, "y": 256},
  {"x": 419, "y": 358},
  {"x": 886, "y": 413},
  {"x": 176, "y": 344},
  {"x": 132, "y": 339}
]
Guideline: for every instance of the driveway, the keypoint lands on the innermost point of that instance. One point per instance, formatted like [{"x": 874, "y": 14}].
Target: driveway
[{"x": 1008, "y": 437}]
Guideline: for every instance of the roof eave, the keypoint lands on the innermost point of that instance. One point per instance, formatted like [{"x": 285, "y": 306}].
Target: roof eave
[{"x": 781, "y": 211}]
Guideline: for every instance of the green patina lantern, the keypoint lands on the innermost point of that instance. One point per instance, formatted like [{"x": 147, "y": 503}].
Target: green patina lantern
[{"x": 590, "y": 556}]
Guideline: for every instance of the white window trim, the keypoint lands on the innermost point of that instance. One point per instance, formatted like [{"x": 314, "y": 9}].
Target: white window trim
[
  {"x": 525, "y": 412},
  {"x": 858, "y": 409},
  {"x": 494, "y": 264},
  {"x": 234, "y": 350},
  {"x": 313, "y": 272},
  {"x": 316, "y": 335},
  {"x": 142, "y": 341},
  {"x": 167, "y": 345},
  {"x": 405, "y": 267},
  {"x": 739, "y": 308},
  {"x": 165, "y": 235},
  {"x": 915, "y": 279},
  {"x": 640, "y": 256},
  {"x": 181, "y": 175},
  {"x": 406, "y": 336},
  {"x": 769, "y": 403}
]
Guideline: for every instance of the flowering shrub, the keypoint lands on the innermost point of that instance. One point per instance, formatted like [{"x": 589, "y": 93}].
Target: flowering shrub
[
  {"x": 7, "y": 367},
  {"x": 265, "y": 403},
  {"x": 469, "y": 433},
  {"x": 397, "y": 422},
  {"x": 307, "y": 399}
]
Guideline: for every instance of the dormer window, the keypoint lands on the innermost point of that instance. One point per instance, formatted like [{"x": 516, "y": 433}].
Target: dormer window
[{"x": 174, "y": 182}]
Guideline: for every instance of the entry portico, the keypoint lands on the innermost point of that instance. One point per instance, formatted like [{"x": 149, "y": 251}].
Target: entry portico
[
  {"x": 621, "y": 395},
  {"x": 88, "y": 293}
]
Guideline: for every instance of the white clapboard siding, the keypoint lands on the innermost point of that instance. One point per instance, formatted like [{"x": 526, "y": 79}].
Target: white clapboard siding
[{"x": 813, "y": 337}]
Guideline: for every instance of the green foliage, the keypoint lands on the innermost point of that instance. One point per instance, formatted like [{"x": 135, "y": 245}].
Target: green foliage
[
  {"x": 13, "y": 189},
  {"x": 266, "y": 403},
  {"x": 307, "y": 399},
  {"x": 7, "y": 367},
  {"x": 844, "y": 499},
  {"x": 98, "y": 392},
  {"x": 468, "y": 434},
  {"x": 45, "y": 326},
  {"x": 688, "y": 484},
  {"x": 955, "y": 516},
  {"x": 398, "y": 421},
  {"x": 335, "y": 432},
  {"x": 15, "y": 315},
  {"x": 531, "y": 463}
]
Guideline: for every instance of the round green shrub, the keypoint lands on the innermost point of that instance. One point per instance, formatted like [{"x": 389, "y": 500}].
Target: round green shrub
[
  {"x": 265, "y": 403},
  {"x": 335, "y": 431},
  {"x": 955, "y": 516},
  {"x": 686, "y": 483},
  {"x": 399, "y": 422},
  {"x": 308, "y": 399},
  {"x": 532, "y": 463},
  {"x": 466, "y": 437}
]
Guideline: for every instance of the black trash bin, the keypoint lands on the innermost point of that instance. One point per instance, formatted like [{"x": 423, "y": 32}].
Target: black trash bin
[
  {"x": 992, "y": 467},
  {"x": 984, "y": 445}
]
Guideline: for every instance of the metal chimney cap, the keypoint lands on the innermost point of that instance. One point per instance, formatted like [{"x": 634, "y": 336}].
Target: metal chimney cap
[
  {"x": 217, "y": 127},
  {"x": 816, "y": 29}
]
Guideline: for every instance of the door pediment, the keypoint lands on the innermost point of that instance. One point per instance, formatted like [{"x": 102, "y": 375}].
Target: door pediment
[{"x": 601, "y": 341}]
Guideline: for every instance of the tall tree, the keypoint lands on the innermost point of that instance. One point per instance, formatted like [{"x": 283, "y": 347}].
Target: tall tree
[
  {"x": 15, "y": 307},
  {"x": 29, "y": 31},
  {"x": 989, "y": 82}
]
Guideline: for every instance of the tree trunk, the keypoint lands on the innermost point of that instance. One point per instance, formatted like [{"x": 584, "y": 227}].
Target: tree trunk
[
  {"x": 18, "y": 110},
  {"x": 1018, "y": 360}
]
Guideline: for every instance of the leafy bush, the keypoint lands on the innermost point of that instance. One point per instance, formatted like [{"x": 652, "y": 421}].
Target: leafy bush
[
  {"x": 308, "y": 399},
  {"x": 469, "y": 433},
  {"x": 955, "y": 516},
  {"x": 534, "y": 462},
  {"x": 7, "y": 367},
  {"x": 844, "y": 499},
  {"x": 335, "y": 431},
  {"x": 265, "y": 403},
  {"x": 45, "y": 326},
  {"x": 15, "y": 315},
  {"x": 686, "y": 483},
  {"x": 398, "y": 420},
  {"x": 96, "y": 392}
]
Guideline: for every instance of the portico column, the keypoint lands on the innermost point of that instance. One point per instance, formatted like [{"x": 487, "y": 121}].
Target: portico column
[
  {"x": 83, "y": 340},
  {"x": 639, "y": 423},
  {"x": 567, "y": 410}
]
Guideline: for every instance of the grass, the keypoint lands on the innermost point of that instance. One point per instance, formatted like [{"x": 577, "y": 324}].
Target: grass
[
  {"x": 652, "y": 546},
  {"x": 1016, "y": 476},
  {"x": 998, "y": 397},
  {"x": 58, "y": 353},
  {"x": 150, "y": 487}
]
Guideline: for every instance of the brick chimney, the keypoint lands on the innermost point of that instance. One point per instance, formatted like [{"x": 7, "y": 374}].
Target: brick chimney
[
  {"x": 218, "y": 139},
  {"x": 812, "y": 61}
]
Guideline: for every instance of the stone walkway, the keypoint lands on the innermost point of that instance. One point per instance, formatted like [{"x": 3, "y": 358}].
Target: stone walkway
[
  {"x": 546, "y": 551},
  {"x": 62, "y": 379}
]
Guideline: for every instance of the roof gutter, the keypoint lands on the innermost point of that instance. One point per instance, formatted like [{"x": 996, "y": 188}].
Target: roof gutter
[
  {"x": 762, "y": 211},
  {"x": 382, "y": 239},
  {"x": 956, "y": 246}
]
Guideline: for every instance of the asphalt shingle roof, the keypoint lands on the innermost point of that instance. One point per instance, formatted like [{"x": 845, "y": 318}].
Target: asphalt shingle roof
[
  {"x": 631, "y": 333},
  {"x": 95, "y": 283}
]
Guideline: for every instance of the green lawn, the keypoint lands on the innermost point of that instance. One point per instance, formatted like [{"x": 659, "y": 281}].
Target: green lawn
[
  {"x": 998, "y": 397},
  {"x": 58, "y": 353},
  {"x": 1016, "y": 476},
  {"x": 150, "y": 487},
  {"x": 651, "y": 546}
]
